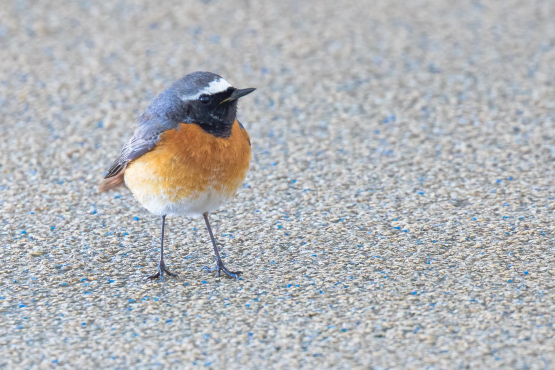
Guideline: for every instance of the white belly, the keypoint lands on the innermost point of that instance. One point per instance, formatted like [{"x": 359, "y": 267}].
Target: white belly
[{"x": 195, "y": 205}]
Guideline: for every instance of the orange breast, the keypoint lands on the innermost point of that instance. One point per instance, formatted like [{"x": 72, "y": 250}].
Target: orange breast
[{"x": 189, "y": 161}]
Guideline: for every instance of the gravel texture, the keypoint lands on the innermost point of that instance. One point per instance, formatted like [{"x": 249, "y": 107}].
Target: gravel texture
[{"x": 398, "y": 212}]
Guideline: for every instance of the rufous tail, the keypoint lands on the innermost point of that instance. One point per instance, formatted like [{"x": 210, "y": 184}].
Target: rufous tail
[{"x": 115, "y": 181}]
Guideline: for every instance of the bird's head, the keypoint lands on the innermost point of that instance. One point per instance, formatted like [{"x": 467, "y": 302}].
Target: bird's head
[{"x": 202, "y": 98}]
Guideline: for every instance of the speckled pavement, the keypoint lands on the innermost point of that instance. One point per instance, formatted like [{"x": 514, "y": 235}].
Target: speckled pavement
[{"x": 398, "y": 213}]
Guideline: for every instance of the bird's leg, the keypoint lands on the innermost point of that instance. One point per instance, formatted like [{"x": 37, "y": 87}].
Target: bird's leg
[
  {"x": 161, "y": 265},
  {"x": 219, "y": 263}
]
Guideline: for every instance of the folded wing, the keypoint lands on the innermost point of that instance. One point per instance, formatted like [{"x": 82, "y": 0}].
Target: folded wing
[
  {"x": 144, "y": 139},
  {"x": 134, "y": 148}
]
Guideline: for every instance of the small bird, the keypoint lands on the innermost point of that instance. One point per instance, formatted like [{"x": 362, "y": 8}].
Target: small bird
[{"x": 188, "y": 155}]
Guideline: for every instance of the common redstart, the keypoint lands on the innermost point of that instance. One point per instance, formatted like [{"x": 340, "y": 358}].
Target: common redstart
[{"x": 188, "y": 155}]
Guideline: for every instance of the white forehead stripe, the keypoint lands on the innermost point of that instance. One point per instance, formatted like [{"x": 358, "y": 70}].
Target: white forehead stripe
[
  {"x": 213, "y": 87},
  {"x": 216, "y": 86}
]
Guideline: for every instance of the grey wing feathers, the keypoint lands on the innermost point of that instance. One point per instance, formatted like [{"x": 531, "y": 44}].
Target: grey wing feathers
[
  {"x": 134, "y": 148},
  {"x": 147, "y": 134}
]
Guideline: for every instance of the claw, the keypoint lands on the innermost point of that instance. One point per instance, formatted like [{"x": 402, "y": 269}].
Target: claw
[
  {"x": 220, "y": 267},
  {"x": 160, "y": 274}
]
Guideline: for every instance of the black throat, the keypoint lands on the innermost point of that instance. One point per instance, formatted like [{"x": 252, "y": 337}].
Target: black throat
[
  {"x": 221, "y": 129},
  {"x": 216, "y": 118}
]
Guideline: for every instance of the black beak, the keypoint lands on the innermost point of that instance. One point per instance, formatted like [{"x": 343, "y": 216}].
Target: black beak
[{"x": 238, "y": 93}]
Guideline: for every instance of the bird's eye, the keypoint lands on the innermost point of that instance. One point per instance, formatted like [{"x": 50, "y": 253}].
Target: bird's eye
[{"x": 205, "y": 99}]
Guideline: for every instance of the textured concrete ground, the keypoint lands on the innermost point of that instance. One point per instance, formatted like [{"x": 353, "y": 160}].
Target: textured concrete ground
[{"x": 398, "y": 212}]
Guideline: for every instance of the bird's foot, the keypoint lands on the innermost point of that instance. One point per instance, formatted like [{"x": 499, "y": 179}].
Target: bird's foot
[
  {"x": 220, "y": 267},
  {"x": 161, "y": 270}
]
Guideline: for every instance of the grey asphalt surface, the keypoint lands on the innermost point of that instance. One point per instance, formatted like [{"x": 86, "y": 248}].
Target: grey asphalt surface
[{"x": 398, "y": 213}]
